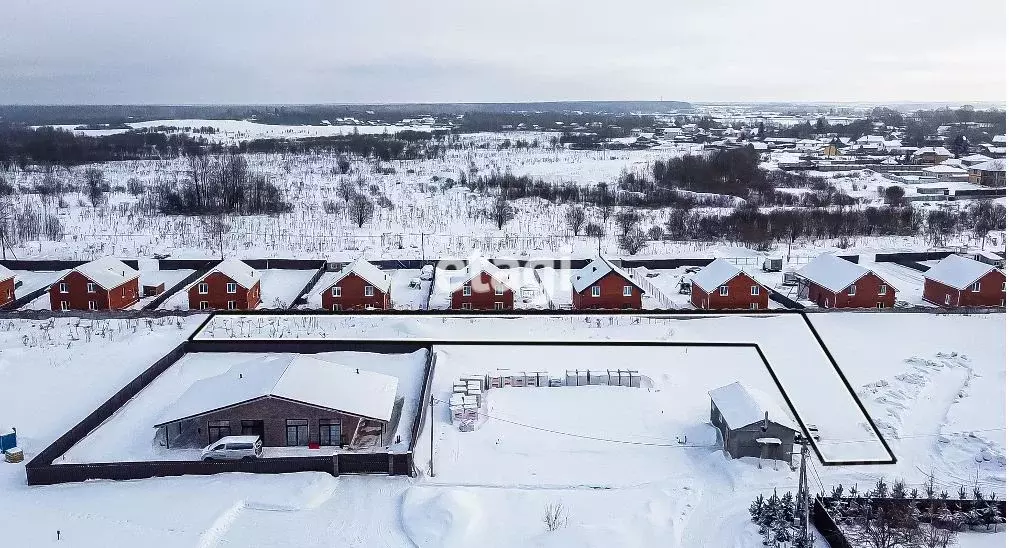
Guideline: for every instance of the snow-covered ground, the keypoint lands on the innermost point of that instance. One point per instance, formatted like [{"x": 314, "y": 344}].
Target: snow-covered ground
[
  {"x": 130, "y": 434},
  {"x": 680, "y": 497}
]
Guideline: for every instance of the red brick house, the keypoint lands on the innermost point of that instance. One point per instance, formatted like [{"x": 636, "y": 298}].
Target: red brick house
[
  {"x": 358, "y": 286},
  {"x": 103, "y": 284},
  {"x": 722, "y": 285},
  {"x": 832, "y": 282},
  {"x": 293, "y": 401},
  {"x": 959, "y": 281},
  {"x": 231, "y": 285},
  {"x": 7, "y": 285},
  {"x": 602, "y": 284},
  {"x": 481, "y": 286}
]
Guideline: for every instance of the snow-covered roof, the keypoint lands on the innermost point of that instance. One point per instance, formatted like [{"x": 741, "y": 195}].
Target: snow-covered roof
[
  {"x": 715, "y": 274},
  {"x": 975, "y": 158},
  {"x": 595, "y": 270},
  {"x": 997, "y": 164},
  {"x": 942, "y": 168},
  {"x": 107, "y": 272},
  {"x": 300, "y": 378},
  {"x": 934, "y": 150},
  {"x": 476, "y": 264},
  {"x": 998, "y": 139},
  {"x": 832, "y": 272},
  {"x": 239, "y": 272},
  {"x": 366, "y": 271},
  {"x": 958, "y": 272},
  {"x": 5, "y": 273},
  {"x": 742, "y": 406}
]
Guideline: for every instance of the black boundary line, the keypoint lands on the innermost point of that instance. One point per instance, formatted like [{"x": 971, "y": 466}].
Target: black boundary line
[{"x": 774, "y": 377}]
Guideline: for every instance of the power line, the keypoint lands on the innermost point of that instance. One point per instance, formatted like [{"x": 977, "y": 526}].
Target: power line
[{"x": 587, "y": 437}]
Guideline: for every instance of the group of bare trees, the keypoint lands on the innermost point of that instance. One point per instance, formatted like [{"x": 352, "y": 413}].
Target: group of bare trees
[{"x": 219, "y": 184}]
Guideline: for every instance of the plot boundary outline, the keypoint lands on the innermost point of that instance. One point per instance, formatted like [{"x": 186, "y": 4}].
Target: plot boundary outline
[{"x": 262, "y": 345}]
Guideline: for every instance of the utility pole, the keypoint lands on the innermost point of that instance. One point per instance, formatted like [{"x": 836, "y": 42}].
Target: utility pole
[
  {"x": 432, "y": 435},
  {"x": 802, "y": 508}
]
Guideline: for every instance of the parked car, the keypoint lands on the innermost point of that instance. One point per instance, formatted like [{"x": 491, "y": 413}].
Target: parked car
[{"x": 234, "y": 448}]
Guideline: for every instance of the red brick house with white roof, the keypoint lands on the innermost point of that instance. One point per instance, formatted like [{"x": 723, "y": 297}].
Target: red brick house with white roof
[
  {"x": 722, "y": 285},
  {"x": 360, "y": 285},
  {"x": 231, "y": 285},
  {"x": 959, "y": 281},
  {"x": 604, "y": 285},
  {"x": 102, "y": 284}
]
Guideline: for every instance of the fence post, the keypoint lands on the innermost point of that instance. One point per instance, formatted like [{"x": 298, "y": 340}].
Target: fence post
[{"x": 336, "y": 465}]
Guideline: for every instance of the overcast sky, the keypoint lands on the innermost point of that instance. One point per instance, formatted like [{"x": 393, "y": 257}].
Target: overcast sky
[{"x": 329, "y": 51}]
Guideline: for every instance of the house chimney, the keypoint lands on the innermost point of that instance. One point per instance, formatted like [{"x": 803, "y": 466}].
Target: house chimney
[{"x": 764, "y": 427}]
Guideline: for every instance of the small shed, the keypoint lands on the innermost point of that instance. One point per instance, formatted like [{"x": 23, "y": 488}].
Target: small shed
[{"x": 751, "y": 423}]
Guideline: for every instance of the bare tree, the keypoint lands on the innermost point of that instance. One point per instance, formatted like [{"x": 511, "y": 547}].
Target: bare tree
[
  {"x": 501, "y": 211},
  {"x": 633, "y": 240},
  {"x": 627, "y": 219},
  {"x": 217, "y": 228},
  {"x": 607, "y": 201},
  {"x": 894, "y": 195},
  {"x": 555, "y": 516},
  {"x": 575, "y": 218},
  {"x": 361, "y": 209},
  {"x": 96, "y": 186}
]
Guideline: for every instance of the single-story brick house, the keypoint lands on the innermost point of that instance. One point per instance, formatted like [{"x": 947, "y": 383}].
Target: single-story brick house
[
  {"x": 359, "y": 285},
  {"x": 8, "y": 283},
  {"x": 288, "y": 401},
  {"x": 751, "y": 424},
  {"x": 722, "y": 285},
  {"x": 931, "y": 155},
  {"x": 231, "y": 285},
  {"x": 481, "y": 286},
  {"x": 959, "y": 281},
  {"x": 602, "y": 284},
  {"x": 833, "y": 282},
  {"x": 102, "y": 284}
]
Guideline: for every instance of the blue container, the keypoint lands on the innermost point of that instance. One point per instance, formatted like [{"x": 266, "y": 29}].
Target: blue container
[{"x": 8, "y": 439}]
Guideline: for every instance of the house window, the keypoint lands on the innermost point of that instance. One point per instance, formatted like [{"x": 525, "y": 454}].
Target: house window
[
  {"x": 64, "y": 305},
  {"x": 754, "y": 290},
  {"x": 329, "y": 432},
  {"x": 231, "y": 305},
  {"x": 947, "y": 299},
  {"x": 204, "y": 305},
  {"x": 976, "y": 288},
  {"x": 92, "y": 305},
  {"x": 498, "y": 306},
  {"x": 204, "y": 288},
  {"x": 369, "y": 291},
  {"x": 91, "y": 287},
  {"x": 336, "y": 307},
  {"x": 879, "y": 304},
  {"x": 218, "y": 429},
  {"x": 882, "y": 289},
  {"x": 723, "y": 291},
  {"x": 467, "y": 306},
  {"x": 467, "y": 290},
  {"x": 297, "y": 432},
  {"x": 596, "y": 291},
  {"x": 252, "y": 428},
  {"x": 851, "y": 290},
  {"x": 628, "y": 291},
  {"x": 232, "y": 287},
  {"x": 754, "y": 306},
  {"x": 63, "y": 288},
  {"x": 11, "y": 293},
  {"x": 337, "y": 291},
  {"x": 499, "y": 290},
  {"x": 124, "y": 291}
]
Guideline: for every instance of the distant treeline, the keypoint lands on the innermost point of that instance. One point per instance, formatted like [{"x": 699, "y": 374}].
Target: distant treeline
[
  {"x": 917, "y": 125},
  {"x": 405, "y": 145},
  {"x": 22, "y": 146},
  {"x": 308, "y": 114}
]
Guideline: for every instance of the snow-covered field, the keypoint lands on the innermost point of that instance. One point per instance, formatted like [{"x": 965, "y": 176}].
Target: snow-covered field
[{"x": 491, "y": 486}]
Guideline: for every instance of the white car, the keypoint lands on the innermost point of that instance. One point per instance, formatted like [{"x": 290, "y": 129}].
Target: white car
[{"x": 234, "y": 448}]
